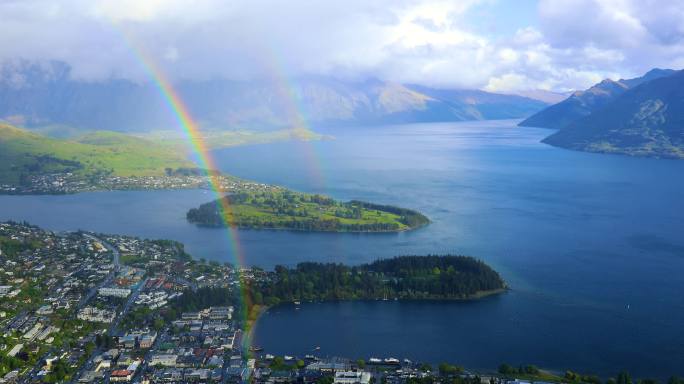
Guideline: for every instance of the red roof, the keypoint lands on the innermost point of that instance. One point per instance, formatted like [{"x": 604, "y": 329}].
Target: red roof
[{"x": 121, "y": 372}]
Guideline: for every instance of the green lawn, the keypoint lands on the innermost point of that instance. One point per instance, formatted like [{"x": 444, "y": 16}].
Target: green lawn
[{"x": 283, "y": 209}]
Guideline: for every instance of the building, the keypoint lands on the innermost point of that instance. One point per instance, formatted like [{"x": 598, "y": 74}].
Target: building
[
  {"x": 121, "y": 375},
  {"x": 352, "y": 377},
  {"x": 114, "y": 292},
  {"x": 96, "y": 315},
  {"x": 165, "y": 360}
]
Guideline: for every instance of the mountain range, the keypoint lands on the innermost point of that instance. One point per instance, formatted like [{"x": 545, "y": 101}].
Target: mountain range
[
  {"x": 639, "y": 117},
  {"x": 45, "y": 94},
  {"x": 583, "y": 103}
]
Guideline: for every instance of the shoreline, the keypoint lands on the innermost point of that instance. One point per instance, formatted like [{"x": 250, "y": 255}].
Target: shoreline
[{"x": 279, "y": 229}]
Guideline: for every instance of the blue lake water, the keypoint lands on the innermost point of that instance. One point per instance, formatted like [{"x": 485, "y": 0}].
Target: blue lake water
[{"x": 592, "y": 245}]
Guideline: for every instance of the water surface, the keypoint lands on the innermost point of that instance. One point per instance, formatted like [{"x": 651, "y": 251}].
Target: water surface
[{"x": 591, "y": 244}]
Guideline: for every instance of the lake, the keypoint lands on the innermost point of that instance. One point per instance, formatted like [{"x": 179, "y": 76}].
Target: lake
[{"x": 592, "y": 245}]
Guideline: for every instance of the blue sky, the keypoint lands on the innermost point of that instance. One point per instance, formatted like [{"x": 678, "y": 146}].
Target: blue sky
[{"x": 500, "y": 18}]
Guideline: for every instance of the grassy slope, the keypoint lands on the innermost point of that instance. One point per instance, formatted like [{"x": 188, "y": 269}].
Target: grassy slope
[
  {"x": 215, "y": 139},
  {"x": 314, "y": 211},
  {"x": 97, "y": 151}
]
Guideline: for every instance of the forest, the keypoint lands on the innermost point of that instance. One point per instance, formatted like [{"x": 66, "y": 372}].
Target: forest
[{"x": 405, "y": 277}]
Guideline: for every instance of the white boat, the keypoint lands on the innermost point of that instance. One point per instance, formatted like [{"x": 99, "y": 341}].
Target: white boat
[
  {"x": 374, "y": 360},
  {"x": 391, "y": 360},
  {"x": 288, "y": 358}
]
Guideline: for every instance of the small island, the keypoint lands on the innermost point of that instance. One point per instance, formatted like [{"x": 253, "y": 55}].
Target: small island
[
  {"x": 445, "y": 277},
  {"x": 279, "y": 208}
]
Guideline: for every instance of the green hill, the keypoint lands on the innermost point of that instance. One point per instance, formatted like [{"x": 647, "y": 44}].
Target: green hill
[
  {"x": 647, "y": 120},
  {"x": 23, "y": 153}
]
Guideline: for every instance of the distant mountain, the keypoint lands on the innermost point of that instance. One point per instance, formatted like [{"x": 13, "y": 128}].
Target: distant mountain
[
  {"x": 44, "y": 94},
  {"x": 545, "y": 96},
  {"x": 646, "y": 120},
  {"x": 582, "y": 103}
]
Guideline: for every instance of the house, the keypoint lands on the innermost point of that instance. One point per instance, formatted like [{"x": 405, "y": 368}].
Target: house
[
  {"x": 166, "y": 360},
  {"x": 352, "y": 377},
  {"x": 114, "y": 292},
  {"x": 121, "y": 375}
]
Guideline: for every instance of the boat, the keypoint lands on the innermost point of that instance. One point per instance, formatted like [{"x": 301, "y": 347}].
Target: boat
[
  {"x": 256, "y": 348},
  {"x": 374, "y": 360},
  {"x": 309, "y": 357},
  {"x": 297, "y": 302},
  {"x": 391, "y": 360},
  {"x": 317, "y": 348},
  {"x": 288, "y": 358}
]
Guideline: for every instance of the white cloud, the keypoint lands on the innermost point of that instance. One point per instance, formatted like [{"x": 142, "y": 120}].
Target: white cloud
[{"x": 573, "y": 43}]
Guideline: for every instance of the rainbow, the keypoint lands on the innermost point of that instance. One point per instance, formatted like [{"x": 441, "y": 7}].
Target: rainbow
[
  {"x": 287, "y": 93},
  {"x": 203, "y": 156}
]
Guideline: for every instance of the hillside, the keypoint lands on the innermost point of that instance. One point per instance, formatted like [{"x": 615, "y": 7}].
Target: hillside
[
  {"x": 23, "y": 154},
  {"x": 582, "y": 103},
  {"x": 647, "y": 120},
  {"x": 39, "y": 95}
]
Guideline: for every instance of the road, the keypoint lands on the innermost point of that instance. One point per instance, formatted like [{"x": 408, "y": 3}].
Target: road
[{"x": 110, "y": 277}]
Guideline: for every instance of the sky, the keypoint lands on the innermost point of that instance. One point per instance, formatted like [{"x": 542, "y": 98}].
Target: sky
[{"x": 495, "y": 45}]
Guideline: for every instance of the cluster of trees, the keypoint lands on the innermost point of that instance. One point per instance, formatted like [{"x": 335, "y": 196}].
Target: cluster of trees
[
  {"x": 11, "y": 247},
  {"x": 409, "y": 217},
  {"x": 191, "y": 172},
  {"x": 574, "y": 377},
  {"x": 506, "y": 369},
  {"x": 104, "y": 341},
  {"x": 202, "y": 298},
  {"x": 304, "y": 212},
  {"x": 407, "y": 277},
  {"x": 49, "y": 163}
]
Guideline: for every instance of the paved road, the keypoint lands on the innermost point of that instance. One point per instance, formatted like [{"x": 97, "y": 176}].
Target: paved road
[{"x": 110, "y": 277}]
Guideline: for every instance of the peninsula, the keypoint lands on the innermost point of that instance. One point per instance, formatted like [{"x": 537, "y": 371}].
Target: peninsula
[{"x": 432, "y": 277}]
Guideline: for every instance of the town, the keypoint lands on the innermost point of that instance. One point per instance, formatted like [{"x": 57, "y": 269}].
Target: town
[
  {"x": 69, "y": 183},
  {"x": 82, "y": 307}
]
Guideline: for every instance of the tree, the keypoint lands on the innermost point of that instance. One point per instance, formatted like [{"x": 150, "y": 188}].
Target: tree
[
  {"x": 624, "y": 378},
  {"x": 446, "y": 369},
  {"x": 506, "y": 369}
]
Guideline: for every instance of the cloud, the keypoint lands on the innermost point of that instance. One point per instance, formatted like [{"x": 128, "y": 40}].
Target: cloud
[{"x": 571, "y": 43}]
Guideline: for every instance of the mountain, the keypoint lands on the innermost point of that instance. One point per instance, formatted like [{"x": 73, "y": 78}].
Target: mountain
[
  {"x": 45, "y": 95},
  {"x": 24, "y": 153},
  {"x": 646, "y": 120},
  {"x": 548, "y": 97},
  {"x": 582, "y": 103}
]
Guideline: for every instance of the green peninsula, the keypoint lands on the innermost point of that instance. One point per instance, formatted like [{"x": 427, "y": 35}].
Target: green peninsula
[
  {"x": 278, "y": 208},
  {"x": 432, "y": 277}
]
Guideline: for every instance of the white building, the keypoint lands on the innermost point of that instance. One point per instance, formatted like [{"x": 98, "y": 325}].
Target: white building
[
  {"x": 115, "y": 292},
  {"x": 350, "y": 377}
]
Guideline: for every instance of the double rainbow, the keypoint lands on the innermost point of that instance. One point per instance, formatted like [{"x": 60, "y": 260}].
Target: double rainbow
[{"x": 203, "y": 155}]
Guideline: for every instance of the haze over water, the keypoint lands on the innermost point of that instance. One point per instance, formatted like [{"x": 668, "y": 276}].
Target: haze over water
[{"x": 590, "y": 244}]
